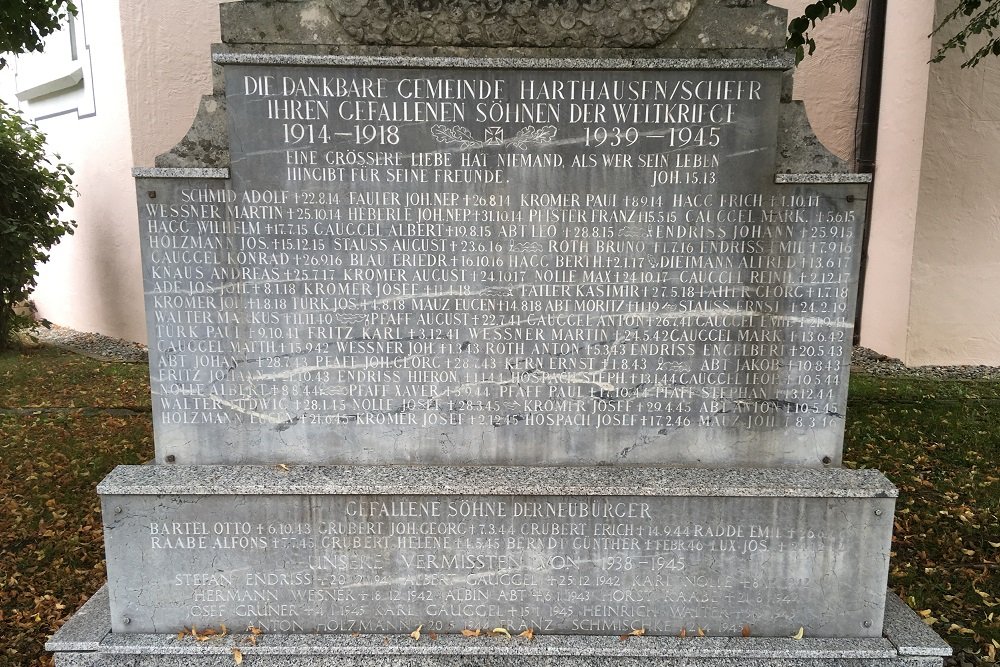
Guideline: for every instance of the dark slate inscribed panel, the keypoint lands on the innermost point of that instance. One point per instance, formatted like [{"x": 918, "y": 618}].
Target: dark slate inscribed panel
[{"x": 500, "y": 266}]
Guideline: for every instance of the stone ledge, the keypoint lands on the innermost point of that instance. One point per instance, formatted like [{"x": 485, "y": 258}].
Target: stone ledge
[
  {"x": 85, "y": 629},
  {"x": 552, "y": 60},
  {"x": 86, "y": 640},
  {"x": 498, "y": 480},
  {"x": 823, "y": 178},
  {"x": 180, "y": 172}
]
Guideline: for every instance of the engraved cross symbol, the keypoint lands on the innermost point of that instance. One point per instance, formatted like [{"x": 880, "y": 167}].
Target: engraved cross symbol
[{"x": 494, "y": 136}]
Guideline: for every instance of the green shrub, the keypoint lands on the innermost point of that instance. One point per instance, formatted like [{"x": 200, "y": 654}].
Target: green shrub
[{"x": 33, "y": 192}]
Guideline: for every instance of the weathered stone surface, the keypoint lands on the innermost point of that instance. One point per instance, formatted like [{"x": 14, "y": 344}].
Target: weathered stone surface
[
  {"x": 771, "y": 558},
  {"x": 206, "y": 144},
  {"x": 799, "y": 151},
  {"x": 500, "y": 481},
  {"x": 85, "y": 630},
  {"x": 524, "y": 279},
  {"x": 531, "y": 23},
  {"x": 894, "y": 650}
]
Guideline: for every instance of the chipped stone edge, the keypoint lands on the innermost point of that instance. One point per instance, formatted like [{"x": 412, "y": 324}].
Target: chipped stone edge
[
  {"x": 907, "y": 631},
  {"x": 85, "y": 629},
  {"x": 823, "y": 178},
  {"x": 169, "y": 479},
  {"x": 511, "y": 62},
  {"x": 180, "y": 172}
]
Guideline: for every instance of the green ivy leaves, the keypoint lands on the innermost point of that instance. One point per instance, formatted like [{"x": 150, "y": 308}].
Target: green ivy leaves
[
  {"x": 798, "y": 28},
  {"x": 982, "y": 17}
]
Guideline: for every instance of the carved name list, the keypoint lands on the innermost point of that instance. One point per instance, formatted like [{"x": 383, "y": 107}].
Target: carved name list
[{"x": 510, "y": 266}]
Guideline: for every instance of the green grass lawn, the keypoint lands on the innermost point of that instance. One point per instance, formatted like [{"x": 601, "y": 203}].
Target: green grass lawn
[{"x": 939, "y": 441}]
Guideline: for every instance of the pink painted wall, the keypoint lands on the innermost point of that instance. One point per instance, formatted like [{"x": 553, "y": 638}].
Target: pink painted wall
[
  {"x": 828, "y": 81},
  {"x": 168, "y": 68},
  {"x": 955, "y": 302},
  {"x": 885, "y": 325}
]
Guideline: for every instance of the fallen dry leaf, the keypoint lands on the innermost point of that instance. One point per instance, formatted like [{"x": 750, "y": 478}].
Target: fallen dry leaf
[
  {"x": 237, "y": 656},
  {"x": 638, "y": 632},
  {"x": 433, "y": 636},
  {"x": 282, "y": 466},
  {"x": 684, "y": 633},
  {"x": 471, "y": 633},
  {"x": 701, "y": 633},
  {"x": 746, "y": 631},
  {"x": 500, "y": 631},
  {"x": 528, "y": 634},
  {"x": 800, "y": 634},
  {"x": 416, "y": 633}
]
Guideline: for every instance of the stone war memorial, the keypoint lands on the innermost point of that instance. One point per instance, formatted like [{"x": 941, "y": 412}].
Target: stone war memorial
[{"x": 504, "y": 333}]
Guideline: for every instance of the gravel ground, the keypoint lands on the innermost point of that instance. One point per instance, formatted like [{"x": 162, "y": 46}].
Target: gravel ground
[
  {"x": 863, "y": 361},
  {"x": 93, "y": 345},
  {"x": 872, "y": 363}
]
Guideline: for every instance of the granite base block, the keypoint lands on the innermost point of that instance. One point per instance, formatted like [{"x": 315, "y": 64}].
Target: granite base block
[
  {"x": 383, "y": 550},
  {"x": 86, "y": 640}
]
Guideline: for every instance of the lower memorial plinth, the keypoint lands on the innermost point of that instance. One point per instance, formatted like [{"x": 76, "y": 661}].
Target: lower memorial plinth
[
  {"x": 86, "y": 640},
  {"x": 558, "y": 551}
]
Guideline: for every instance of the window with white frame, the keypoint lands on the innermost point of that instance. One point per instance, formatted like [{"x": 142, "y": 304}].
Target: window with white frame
[{"x": 58, "y": 79}]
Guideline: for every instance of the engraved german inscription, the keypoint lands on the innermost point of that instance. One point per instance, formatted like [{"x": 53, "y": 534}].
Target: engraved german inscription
[
  {"x": 505, "y": 266},
  {"x": 556, "y": 564}
]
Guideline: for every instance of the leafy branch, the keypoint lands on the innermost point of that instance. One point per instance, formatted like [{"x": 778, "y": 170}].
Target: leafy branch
[
  {"x": 982, "y": 17},
  {"x": 26, "y": 23},
  {"x": 985, "y": 21},
  {"x": 798, "y": 28},
  {"x": 530, "y": 135},
  {"x": 33, "y": 192}
]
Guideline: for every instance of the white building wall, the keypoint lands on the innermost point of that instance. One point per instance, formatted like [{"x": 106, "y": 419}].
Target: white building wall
[
  {"x": 149, "y": 64},
  {"x": 89, "y": 283}
]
